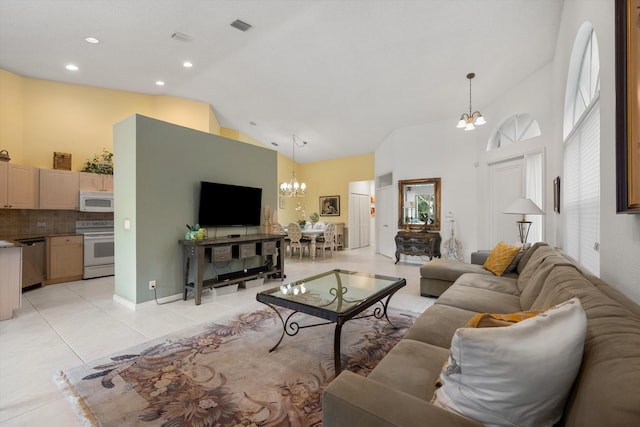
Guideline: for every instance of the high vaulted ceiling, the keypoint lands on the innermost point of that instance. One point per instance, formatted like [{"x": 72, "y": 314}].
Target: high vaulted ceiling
[{"x": 341, "y": 75}]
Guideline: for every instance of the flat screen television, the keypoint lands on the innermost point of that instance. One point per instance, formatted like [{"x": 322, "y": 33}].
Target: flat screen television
[{"x": 225, "y": 205}]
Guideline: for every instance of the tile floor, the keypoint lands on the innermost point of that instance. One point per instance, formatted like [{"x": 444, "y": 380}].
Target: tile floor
[{"x": 65, "y": 325}]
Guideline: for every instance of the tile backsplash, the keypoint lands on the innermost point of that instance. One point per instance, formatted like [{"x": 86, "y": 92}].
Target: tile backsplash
[{"x": 21, "y": 223}]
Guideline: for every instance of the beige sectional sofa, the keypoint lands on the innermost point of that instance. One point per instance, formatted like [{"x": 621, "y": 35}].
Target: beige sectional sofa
[
  {"x": 438, "y": 274},
  {"x": 399, "y": 391}
]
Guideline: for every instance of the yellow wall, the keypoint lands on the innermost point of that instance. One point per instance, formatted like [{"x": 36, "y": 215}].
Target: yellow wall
[
  {"x": 11, "y": 117},
  {"x": 240, "y": 136},
  {"x": 324, "y": 178},
  {"x": 38, "y": 117},
  {"x": 187, "y": 113}
]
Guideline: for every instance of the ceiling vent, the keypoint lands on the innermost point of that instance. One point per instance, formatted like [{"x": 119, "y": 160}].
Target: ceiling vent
[
  {"x": 240, "y": 25},
  {"x": 181, "y": 37}
]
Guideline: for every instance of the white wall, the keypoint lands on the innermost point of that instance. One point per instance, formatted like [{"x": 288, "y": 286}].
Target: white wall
[
  {"x": 439, "y": 149},
  {"x": 619, "y": 234}
]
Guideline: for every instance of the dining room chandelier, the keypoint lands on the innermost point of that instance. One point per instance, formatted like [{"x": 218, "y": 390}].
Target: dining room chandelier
[
  {"x": 293, "y": 188},
  {"x": 471, "y": 120}
]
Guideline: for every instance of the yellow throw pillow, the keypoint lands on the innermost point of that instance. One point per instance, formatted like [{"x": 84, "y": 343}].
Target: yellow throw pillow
[
  {"x": 500, "y": 258},
  {"x": 489, "y": 320}
]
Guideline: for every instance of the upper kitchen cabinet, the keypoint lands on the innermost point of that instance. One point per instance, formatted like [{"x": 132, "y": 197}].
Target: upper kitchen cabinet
[
  {"x": 18, "y": 186},
  {"x": 95, "y": 182},
  {"x": 59, "y": 189}
]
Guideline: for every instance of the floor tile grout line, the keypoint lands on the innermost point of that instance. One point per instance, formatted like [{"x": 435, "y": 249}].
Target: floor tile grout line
[
  {"x": 112, "y": 316},
  {"x": 53, "y": 328}
]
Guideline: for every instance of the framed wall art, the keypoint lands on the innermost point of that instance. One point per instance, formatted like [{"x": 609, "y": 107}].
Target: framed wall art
[
  {"x": 627, "y": 33},
  {"x": 330, "y": 206}
]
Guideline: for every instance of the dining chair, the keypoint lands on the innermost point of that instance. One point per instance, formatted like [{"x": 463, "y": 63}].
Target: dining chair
[
  {"x": 329, "y": 238},
  {"x": 295, "y": 238}
]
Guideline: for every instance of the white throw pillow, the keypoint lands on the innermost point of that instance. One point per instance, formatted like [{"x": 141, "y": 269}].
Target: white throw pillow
[{"x": 515, "y": 375}]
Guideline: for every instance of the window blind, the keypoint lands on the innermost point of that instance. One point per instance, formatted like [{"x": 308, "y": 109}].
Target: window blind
[{"x": 581, "y": 190}]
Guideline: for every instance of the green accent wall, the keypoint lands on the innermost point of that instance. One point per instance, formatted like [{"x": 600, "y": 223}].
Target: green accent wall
[{"x": 156, "y": 187}]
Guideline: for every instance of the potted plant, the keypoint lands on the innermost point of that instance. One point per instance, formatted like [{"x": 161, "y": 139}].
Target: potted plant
[
  {"x": 301, "y": 215},
  {"x": 101, "y": 163}
]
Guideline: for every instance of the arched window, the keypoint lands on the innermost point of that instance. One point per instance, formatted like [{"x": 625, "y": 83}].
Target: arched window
[
  {"x": 514, "y": 129},
  {"x": 581, "y": 126}
]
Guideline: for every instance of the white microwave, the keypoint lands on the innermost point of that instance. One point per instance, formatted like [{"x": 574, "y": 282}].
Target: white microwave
[{"x": 96, "y": 201}]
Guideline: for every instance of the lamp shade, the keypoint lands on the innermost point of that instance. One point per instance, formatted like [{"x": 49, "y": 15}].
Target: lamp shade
[{"x": 523, "y": 207}]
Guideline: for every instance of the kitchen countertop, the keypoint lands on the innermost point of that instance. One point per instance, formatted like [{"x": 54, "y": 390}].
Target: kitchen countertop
[{"x": 9, "y": 242}]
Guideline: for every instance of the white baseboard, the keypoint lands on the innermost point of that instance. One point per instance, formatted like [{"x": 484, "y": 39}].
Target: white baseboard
[{"x": 124, "y": 302}]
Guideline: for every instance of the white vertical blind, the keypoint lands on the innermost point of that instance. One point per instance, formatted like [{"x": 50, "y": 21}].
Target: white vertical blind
[
  {"x": 581, "y": 189},
  {"x": 534, "y": 190},
  {"x": 581, "y": 183}
]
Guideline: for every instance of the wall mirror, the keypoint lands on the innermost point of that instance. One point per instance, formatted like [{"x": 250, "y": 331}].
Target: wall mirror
[{"x": 419, "y": 204}]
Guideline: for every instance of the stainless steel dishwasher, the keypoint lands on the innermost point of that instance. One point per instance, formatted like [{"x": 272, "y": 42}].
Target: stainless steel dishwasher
[{"x": 33, "y": 266}]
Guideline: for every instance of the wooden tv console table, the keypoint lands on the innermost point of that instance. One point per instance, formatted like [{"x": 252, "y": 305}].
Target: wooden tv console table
[{"x": 226, "y": 249}]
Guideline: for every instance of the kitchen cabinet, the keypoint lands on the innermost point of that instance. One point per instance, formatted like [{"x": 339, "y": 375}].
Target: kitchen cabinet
[
  {"x": 18, "y": 186},
  {"x": 59, "y": 189},
  {"x": 95, "y": 182},
  {"x": 10, "y": 289},
  {"x": 64, "y": 258}
]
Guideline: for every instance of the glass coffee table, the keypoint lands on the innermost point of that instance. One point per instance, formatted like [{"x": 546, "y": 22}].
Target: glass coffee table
[{"x": 336, "y": 296}]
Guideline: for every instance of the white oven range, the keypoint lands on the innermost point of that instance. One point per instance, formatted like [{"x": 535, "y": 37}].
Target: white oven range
[{"x": 98, "y": 248}]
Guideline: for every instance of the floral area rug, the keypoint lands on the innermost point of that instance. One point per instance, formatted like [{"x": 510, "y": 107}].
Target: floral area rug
[{"x": 224, "y": 375}]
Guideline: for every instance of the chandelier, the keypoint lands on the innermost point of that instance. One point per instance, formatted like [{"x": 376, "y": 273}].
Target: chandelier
[
  {"x": 471, "y": 120},
  {"x": 293, "y": 188}
]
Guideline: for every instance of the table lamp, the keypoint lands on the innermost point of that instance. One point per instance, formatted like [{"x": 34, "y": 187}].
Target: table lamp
[{"x": 523, "y": 207}]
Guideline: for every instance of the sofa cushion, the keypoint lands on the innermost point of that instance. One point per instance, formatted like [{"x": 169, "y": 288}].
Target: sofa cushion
[
  {"x": 450, "y": 270},
  {"x": 479, "y": 298},
  {"x": 527, "y": 256},
  {"x": 515, "y": 375},
  {"x": 438, "y": 323},
  {"x": 534, "y": 262},
  {"x": 537, "y": 280},
  {"x": 412, "y": 367},
  {"x": 500, "y": 258},
  {"x": 505, "y": 285}
]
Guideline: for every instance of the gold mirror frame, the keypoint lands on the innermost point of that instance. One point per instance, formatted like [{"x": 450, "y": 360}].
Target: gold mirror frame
[{"x": 404, "y": 221}]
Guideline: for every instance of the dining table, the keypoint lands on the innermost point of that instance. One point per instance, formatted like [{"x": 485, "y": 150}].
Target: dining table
[{"x": 312, "y": 234}]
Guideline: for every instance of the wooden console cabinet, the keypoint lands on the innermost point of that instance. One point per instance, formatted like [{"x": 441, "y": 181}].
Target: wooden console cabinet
[
  {"x": 222, "y": 250},
  {"x": 418, "y": 244}
]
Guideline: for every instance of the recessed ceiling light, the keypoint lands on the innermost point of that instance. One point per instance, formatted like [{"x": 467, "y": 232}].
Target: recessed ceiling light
[
  {"x": 92, "y": 40},
  {"x": 160, "y": 83},
  {"x": 187, "y": 64},
  {"x": 71, "y": 67}
]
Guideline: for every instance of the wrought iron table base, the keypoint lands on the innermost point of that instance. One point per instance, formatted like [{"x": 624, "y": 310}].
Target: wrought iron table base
[{"x": 292, "y": 328}]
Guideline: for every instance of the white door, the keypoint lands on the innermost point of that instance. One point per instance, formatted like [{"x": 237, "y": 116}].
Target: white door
[
  {"x": 358, "y": 220},
  {"x": 506, "y": 184},
  {"x": 385, "y": 228}
]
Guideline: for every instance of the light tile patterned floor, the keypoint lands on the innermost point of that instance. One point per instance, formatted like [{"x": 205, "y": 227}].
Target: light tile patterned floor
[{"x": 64, "y": 325}]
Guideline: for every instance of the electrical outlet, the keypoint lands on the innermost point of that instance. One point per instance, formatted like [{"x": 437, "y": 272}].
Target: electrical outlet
[{"x": 152, "y": 284}]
